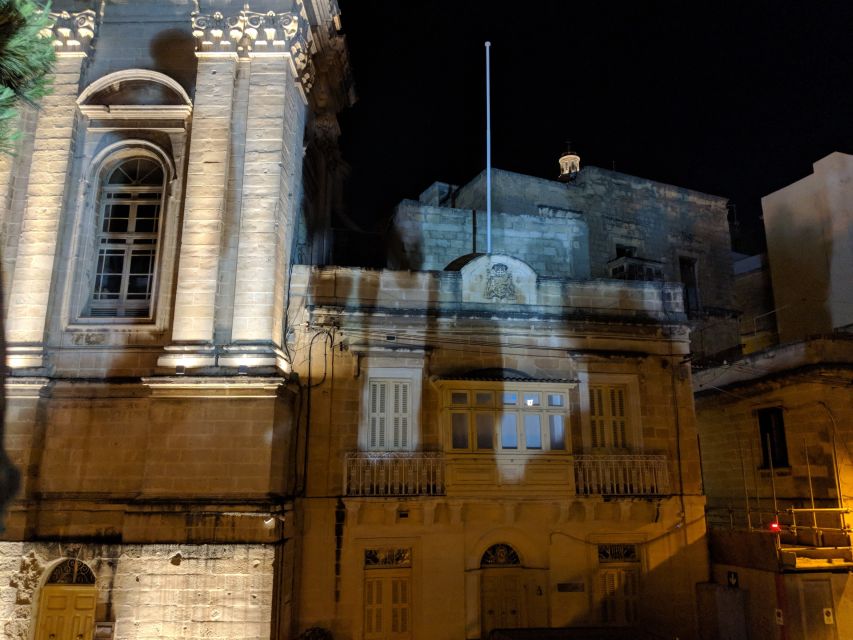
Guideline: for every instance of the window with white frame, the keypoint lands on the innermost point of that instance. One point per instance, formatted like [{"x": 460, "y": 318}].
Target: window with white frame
[
  {"x": 389, "y": 415},
  {"x": 130, "y": 204},
  {"x": 509, "y": 418}
]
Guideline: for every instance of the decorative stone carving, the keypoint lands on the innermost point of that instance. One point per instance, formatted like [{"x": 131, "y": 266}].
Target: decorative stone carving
[
  {"x": 72, "y": 33},
  {"x": 250, "y": 33},
  {"x": 499, "y": 286},
  {"x": 498, "y": 279}
]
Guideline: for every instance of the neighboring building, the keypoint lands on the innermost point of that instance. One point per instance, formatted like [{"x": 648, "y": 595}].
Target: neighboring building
[
  {"x": 217, "y": 442},
  {"x": 775, "y": 426},
  {"x": 147, "y": 224},
  {"x": 809, "y": 228}
]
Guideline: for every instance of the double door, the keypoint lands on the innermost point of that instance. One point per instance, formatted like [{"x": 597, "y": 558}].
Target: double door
[
  {"x": 66, "y": 612},
  {"x": 503, "y": 600}
]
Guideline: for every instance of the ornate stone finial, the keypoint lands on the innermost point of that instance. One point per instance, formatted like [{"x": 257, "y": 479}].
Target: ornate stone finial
[
  {"x": 72, "y": 33},
  {"x": 253, "y": 34}
]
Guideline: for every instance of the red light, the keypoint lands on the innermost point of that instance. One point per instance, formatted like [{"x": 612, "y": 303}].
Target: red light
[{"x": 775, "y": 527}]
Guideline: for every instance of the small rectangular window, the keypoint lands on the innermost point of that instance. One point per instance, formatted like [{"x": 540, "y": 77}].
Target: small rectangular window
[
  {"x": 690, "y": 284},
  {"x": 485, "y": 431},
  {"x": 533, "y": 431},
  {"x": 557, "y": 433},
  {"x": 531, "y": 399},
  {"x": 484, "y": 398},
  {"x": 556, "y": 400},
  {"x": 510, "y": 398},
  {"x": 459, "y": 397},
  {"x": 774, "y": 447},
  {"x": 459, "y": 430},
  {"x": 509, "y": 431}
]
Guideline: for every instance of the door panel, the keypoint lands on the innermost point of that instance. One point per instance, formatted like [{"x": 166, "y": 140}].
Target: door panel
[
  {"x": 818, "y": 610},
  {"x": 387, "y": 605},
  {"x": 503, "y": 605},
  {"x": 66, "y": 612}
]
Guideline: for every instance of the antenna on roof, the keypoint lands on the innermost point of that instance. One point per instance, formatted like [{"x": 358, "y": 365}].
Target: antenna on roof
[{"x": 488, "y": 154}]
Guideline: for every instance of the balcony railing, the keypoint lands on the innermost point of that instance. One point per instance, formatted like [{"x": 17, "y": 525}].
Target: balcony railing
[
  {"x": 394, "y": 474},
  {"x": 621, "y": 475}
]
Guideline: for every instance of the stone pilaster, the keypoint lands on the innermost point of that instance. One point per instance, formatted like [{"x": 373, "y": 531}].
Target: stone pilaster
[
  {"x": 37, "y": 245},
  {"x": 280, "y": 76},
  {"x": 206, "y": 194}
]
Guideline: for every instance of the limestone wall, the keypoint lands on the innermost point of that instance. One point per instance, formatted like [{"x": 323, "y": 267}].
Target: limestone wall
[
  {"x": 96, "y": 459},
  {"x": 150, "y": 591}
]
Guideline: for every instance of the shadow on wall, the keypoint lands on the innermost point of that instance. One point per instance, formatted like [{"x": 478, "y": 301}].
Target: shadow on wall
[
  {"x": 173, "y": 53},
  {"x": 801, "y": 274}
]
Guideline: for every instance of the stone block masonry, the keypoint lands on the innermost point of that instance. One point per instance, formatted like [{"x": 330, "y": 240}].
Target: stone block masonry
[
  {"x": 220, "y": 592},
  {"x": 37, "y": 246}
]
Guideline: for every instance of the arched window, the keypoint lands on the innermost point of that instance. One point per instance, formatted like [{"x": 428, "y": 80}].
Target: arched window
[
  {"x": 71, "y": 572},
  {"x": 130, "y": 205},
  {"x": 500, "y": 555}
]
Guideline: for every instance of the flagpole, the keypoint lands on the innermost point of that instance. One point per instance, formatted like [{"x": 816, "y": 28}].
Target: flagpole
[{"x": 488, "y": 154}]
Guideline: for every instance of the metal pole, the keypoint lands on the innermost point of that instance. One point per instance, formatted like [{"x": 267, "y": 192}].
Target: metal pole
[
  {"x": 811, "y": 490},
  {"x": 488, "y": 152}
]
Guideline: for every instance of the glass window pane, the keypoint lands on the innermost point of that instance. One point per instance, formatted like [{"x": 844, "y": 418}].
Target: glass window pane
[
  {"x": 510, "y": 398},
  {"x": 110, "y": 261},
  {"x": 485, "y": 431},
  {"x": 555, "y": 400},
  {"x": 533, "y": 431},
  {"x": 458, "y": 397},
  {"x": 137, "y": 287},
  {"x": 509, "y": 431},
  {"x": 459, "y": 430},
  {"x": 483, "y": 398},
  {"x": 116, "y": 218},
  {"x": 557, "y": 432},
  {"x": 146, "y": 218},
  {"x": 531, "y": 399}
]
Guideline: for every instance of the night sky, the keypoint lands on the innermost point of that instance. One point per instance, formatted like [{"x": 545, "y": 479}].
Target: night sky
[{"x": 734, "y": 99}]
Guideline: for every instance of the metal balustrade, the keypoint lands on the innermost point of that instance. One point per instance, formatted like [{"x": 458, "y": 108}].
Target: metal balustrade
[
  {"x": 383, "y": 474},
  {"x": 621, "y": 475}
]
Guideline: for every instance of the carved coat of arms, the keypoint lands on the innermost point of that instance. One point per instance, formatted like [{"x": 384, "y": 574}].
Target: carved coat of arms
[{"x": 499, "y": 285}]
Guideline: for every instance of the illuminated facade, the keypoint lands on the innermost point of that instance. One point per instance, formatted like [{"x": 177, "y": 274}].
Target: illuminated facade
[
  {"x": 217, "y": 441},
  {"x": 148, "y": 219}
]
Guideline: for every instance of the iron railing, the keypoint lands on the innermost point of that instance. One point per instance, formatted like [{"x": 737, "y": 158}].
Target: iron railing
[
  {"x": 621, "y": 475},
  {"x": 382, "y": 474}
]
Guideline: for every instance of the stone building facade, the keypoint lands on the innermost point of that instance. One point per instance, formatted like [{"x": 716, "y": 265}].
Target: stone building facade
[
  {"x": 604, "y": 224},
  {"x": 217, "y": 441},
  {"x": 775, "y": 428},
  {"x": 148, "y": 218}
]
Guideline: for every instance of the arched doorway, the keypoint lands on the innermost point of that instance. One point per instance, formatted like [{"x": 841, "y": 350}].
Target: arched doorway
[
  {"x": 66, "y": 608},
  {"x": 502, "y": 593}
]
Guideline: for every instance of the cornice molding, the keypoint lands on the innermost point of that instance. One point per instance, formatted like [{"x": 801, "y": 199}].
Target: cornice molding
[
  {"x": 254, "y": 34},
  {"x": 72, "y": 33}
]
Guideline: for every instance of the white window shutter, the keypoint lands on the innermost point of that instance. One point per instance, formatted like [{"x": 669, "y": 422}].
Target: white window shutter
[{"x": 389, "y": 415}]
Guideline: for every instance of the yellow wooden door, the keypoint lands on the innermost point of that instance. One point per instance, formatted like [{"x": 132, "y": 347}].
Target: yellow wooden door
[
  {"x": 66, "y": 612},
  {"x": 387, "y": 605},
  {"x": 502, "y": 600}
]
